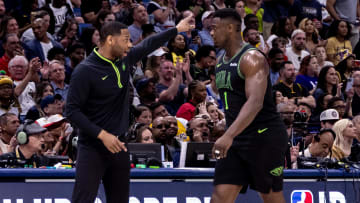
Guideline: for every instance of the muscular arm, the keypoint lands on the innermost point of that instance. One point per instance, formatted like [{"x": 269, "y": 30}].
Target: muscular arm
[
  {"x": 331, "y": 9},
  {"x": 256, "y": 70},
  {"x": 170, "y": 93}
]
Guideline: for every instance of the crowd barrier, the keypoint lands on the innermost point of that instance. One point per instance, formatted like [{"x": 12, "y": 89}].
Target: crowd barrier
[{"x": 191, "y": 185}]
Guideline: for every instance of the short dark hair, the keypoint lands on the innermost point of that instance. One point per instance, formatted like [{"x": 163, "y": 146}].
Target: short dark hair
[
  {"x": 7, "y": 36},
  {"x": 282, "y": 66},
  {"x": 333, "y": 100},
  {"x": 326, "y": 130},
  {"x": 4, "y": 118},
  {"x": 204, "y": 51},
  {"x": 55, "y": 51},
  {"x": 248, "y": 17},
  {"x": 228, "y": 13},
  {"x": 73, "y": 47},
  {"x": 273, "y": 52},
  {"x": 154, "y": 106},
  {"x": 111, "y": 28}
]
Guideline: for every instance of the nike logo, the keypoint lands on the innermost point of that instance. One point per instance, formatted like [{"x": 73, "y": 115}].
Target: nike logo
[
  {"x": 104, "y": 78},
  {"x": 262, "y": 130}
]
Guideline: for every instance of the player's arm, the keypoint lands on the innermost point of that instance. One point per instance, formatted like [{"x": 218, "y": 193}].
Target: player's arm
[{"x": 255, "y": 70}]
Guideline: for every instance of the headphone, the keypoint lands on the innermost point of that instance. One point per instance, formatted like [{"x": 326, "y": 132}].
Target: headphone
[{"x": 21, "y": 136}]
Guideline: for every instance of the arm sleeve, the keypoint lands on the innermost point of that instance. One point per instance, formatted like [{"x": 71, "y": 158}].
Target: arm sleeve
[
  {"x": 78, "y": 94},
  {"x": 149, "y": 45}
]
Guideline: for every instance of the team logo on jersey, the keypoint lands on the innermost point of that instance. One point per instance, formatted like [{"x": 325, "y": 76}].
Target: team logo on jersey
[
  {"x": 233, "y": 64},
  {"x": 302, "y": 196}
]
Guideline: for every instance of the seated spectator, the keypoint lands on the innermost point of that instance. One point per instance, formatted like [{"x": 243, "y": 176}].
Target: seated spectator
[
  {"x": 145, "y": 88},
  {"x": 204, "y": 34},
  {"x": 321, "y": 56},
  {"x": 140, "y": 17},
  {"x": 153, "y": 63},
  {"x": 345, "y": 68},
  {"x": 67, "y": 35},
  {"x": 43, "y": 89},
  {"x": 158, "y": 110},
  {"x": 24, "y": 75},
  {"x": 172, "y": 130},
  {"x": 205, "y": 59},
  {"x": 297, "y": 51},
  {"x": 59, "y": 11},
  {"x": 301, "y": 9},
  {"x": 55, "y": 53},
  {"x": 327, "y": 83},
  {"x": 90, "y": 37},
  {"x": 8, "y": 25},
  {"x": 57, "y": 78},
  {"x": 30, "y": 140},
  {"x": 251, "y": 36},
  {"x": 355, "y": 90},
  {"x": 104, "y": 16},
  {"x": 252, "y": 22},
  {"x": 339, "y": 105},
  {"x": 338, "y": 40},
  {"x": 52, "y": 105},
  {"x": 254, "y": 7},
  {"x": 9, "y": 123},
  {"x": 196, "y": 96},
  {"x": 29, "y": 35},
  {"x": 215, "y": 114},
  {"x": 143, "y": 115},
  {"x": 279, "y": 98},
  {"x": 12, "y": 47},
  {"x": 309, "y": 70},
  {"x": 171, "y": 91},
  {"x": 328, "y": 118},
  {"x": 345, "y": 134},
  {"x": 321, "y": 144},
  {"x": 287, "y": 111},
  {"x": 178, "y": 48},
  {"x": 75, "y": 54},
  {"x": 212, "y": 91},
  {"x": 39, "y": 46},
  {"x": 144, "y": 135},
  {"x": 290, "y": 89},
  {"x": 8, "y": 102},
  {"x": 311, "y": 33},
  {"x": 280, "y": 43},
  {"x": 198, "y": 130},
  {"x": 276, "y": 58},
  {"x": 281, "y": 28}
]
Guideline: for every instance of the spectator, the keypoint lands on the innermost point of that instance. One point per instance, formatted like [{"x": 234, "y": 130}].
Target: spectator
[
  {"x": 153, "y": 63},
  {"x": 328, "y": 118},
  {"x": 143, "y": 115},
  {"x": 12, "y": 47},
  {"x": 2, "y": 9},
  {"x": 192, "y": 38},
  {"x": 171, "y": 91},
  {"x": 309, "y": 70},
  {"x": 338, "y": 104},
  {"x": 145, "y": 87},
  {"x": 9, "y": 103},
  {"x": 24, "y": 75},
  {"x": 355, "y": 104},
  {"x": 90, "y": 37},
  {"x": 57, "y": 78},
  {"x": 196, "y": 96},
  {"x": 345, "y": 134},
  {"x": 91, "y": 8},
  {"x": 205, "y": 59},
  {"x": 321, "y": 56},
  {"x": 251, "y": 36},
  {"x": 321, "y": 105},
  {"x": 338, "y": 42},
  {"x": 345, "y": 68},
  {"x": 104, "y": 16},
  {"x": 30, "y": 140},
  {"x": 327, "y": 83},
  {"x": 290, "y": 89},
  {"x": 9, "y": 123},
  {"x": 279, "y": 98},
  {"x": 140, "y": 17},
  {"x": 8, "y": 25},
  {"x": 76, "y": 54},
  {"x": 59, "y": 11},
  {"x": 240, "y": 9},
  {"x": 158, "y": 110},
  {"x": 254, "y": 7},
  {"x": 29, "y": 35},
  {"x": 215, "y": 114},
  {"x": 204, "y": 34},
  {"x": 173, "y": 129},
  {"x": 122, "y": 11},
  {"x": 163, "y": 17},
  {"x": 43, "y": 89},
  {"x": 178, "y": 47},
  {"x": 212, "y": 91},
  {"x": 55, "y": 53},
  {"x": 356, "y": 121},
  {"x": 347, "y": 11},
  {"x": 144, "y": 135},
  {"x": 276, "y": 58},
  {"x": 287, "y": 110},
  {"x": 301, "y": 9},
  {"x": 39, "y": 46},
  {"x": 312, "y": 34},
  {"x": 52, "y": 105},
  {"x": 198, "y": 130},
  {"x": 297, "y": 52},
  {"x": 281, "y": 28},
  {"x": 321, "y": 144},
  {"x": 280, "y": 43},
  {"x": 252, "y": 22},
  {"x": 67, "y": 34}
]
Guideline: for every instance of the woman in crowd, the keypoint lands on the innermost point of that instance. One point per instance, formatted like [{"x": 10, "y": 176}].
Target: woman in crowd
[
  {"x": 178, "y": 48},
  {"x": 327, "y": 83},
  {"x": 143, "y": 115},
  {"x": 90, "y": 38},
  {"x": 67, "y": 35},
  {"x": 43, "y": 89},
  {"x": 312, "y": 34},
  {"x": 196, "y": 97},
  {"x": 344, "y": 68},
  {"x": 240, "y": 9},
  {"x": 309, "y": 70},
  {"x": 144, "y": 135},
  {"x": 279, "y": 98},
  {"x": 215, "y": 114},
  {"x": 321, "y": 56},
  {"x": 345, "y": 134},
  {"x": 281, "y": 28},
  {"x": 8, "y": 25},
  {"x": 338, "y": 40},
  {"x": 103, "y": 17}
]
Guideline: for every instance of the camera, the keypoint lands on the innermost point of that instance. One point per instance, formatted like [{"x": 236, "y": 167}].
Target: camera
[{"x": 300, "y": 117}]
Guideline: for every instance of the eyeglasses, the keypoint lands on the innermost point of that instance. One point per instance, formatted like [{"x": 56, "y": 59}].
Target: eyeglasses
[{"x": 161, "y": 126}]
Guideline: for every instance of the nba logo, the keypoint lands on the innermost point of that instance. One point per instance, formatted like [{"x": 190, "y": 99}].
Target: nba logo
[{"x": 302, "y": 196}]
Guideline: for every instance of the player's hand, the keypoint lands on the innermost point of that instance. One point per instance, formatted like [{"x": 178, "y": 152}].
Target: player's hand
[
  {"x": 184, "y": 25},
  {"x": 221, "y": 146},
  {"x": 111, "y": 142}
]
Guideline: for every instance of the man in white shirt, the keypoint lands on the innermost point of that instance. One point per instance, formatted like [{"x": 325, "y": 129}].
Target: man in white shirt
[{"x": 297, "y": 52}]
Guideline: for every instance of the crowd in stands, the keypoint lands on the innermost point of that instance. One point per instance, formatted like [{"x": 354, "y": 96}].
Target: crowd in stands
[{"x": 312, "y": 47}]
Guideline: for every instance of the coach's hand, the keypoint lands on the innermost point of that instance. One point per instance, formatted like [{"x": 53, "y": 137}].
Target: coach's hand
[
  {"x": 111, "y": 142},
  {"x": 186, "y": 24},
  {"x": 221, "y": 146}
]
